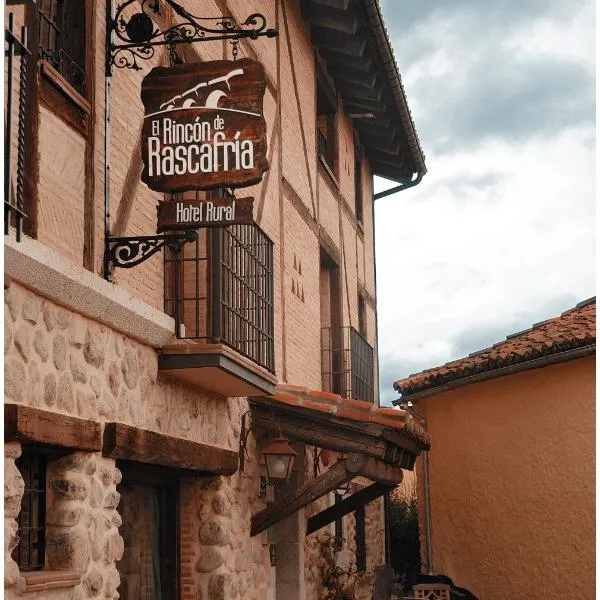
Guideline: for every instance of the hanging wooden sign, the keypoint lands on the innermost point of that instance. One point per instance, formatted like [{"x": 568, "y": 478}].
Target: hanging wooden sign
[
  {"x": 193, "y": 214},
  {"x": 204, "y": 126}
]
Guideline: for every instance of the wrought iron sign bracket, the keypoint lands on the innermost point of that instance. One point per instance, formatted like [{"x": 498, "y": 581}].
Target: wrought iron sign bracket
[
  {"x": 127, "y": 252},
  {"x": 137, "y": 35}
]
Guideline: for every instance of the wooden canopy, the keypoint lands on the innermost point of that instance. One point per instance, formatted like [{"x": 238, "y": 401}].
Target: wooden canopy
[{"x": 377, "y": 443}]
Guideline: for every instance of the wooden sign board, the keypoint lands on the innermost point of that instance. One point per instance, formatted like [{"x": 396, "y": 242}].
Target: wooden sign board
[
  {"x": 193, "y": 214},
  {"x": 204, "y": 126}
]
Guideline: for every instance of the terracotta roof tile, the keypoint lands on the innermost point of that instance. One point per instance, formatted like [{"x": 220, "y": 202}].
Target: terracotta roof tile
[
  {"x": 352, "y": 410},
  {"x": 574, "y": 328}
]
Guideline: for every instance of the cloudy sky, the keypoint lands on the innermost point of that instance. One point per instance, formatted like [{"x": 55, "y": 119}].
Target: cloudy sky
[{"x": 500, "y": 232}]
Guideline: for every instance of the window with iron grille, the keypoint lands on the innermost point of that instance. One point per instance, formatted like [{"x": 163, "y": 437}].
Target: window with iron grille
[
  {"x": 224, "y": 291},
  {"x": 29, "y": 553},
  {"x": 326, "y": 123},
  {"x": 360, "y": 539},
  {"x": 347, "y": 363},
  {"x": 61, "y": 38}
]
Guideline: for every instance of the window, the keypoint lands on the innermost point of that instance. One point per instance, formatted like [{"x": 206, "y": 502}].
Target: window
[
  {"x": 358, "y": 199},
  {"x": 148, "y": 507},
  {"x": 61, "y": 41},
  {"x": 360, "y": 539},
  {"x": 326, "y": 123},
  {"x": 30, "y": 553},
  {"x": 362, "y": 317}
]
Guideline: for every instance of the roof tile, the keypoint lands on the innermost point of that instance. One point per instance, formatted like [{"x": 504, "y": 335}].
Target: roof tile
[{"x": 574, "y": 328}]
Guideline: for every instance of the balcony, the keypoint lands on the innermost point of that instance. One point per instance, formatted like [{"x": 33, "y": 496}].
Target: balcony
[
  {"x": 346, "y": 363},
  {"x": 220, "y": 292}
]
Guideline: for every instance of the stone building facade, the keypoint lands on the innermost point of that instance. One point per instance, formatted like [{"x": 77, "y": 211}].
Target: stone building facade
[{"x": 122, "y": 436}]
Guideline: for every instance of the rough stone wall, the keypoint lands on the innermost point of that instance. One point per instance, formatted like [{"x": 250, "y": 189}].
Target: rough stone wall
[{"x": 82, "y": 523}]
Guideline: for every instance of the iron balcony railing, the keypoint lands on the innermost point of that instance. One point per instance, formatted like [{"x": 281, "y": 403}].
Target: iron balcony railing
[
  {"x": 16, "y": 67},
  {"x": 347, "y": 365},
  {"x": 225, "y": 290}
]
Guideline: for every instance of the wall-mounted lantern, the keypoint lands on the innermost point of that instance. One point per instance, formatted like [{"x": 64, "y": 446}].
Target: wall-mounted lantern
[
  {"x": 279, "y": 458},
  {"x": 278, "y": 454}
]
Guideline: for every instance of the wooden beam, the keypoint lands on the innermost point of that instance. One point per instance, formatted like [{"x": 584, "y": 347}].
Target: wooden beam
[
  {"x": 335, "y": 21},
  {"x": 341, "y": 43},
  {"x": 141, "y": 445},
  {"x": 325, "y": 432},
  {"x": 380, "y": 472},
  {"x": 27, "y": 424},
  {"x": 310, "y": 491},
  {"x": 346, "y": 506}
]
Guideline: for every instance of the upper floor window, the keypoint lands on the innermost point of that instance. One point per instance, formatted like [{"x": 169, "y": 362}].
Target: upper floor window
[
  {"x": 61, "y": 39},
  {"x": 326, "y": 123},
  {"x": 358, "y": 184}
]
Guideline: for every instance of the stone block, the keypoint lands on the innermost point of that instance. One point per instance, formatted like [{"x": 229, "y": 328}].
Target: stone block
[
  {"x": 67, "y": 549},
  {"x": 130, "y": 368},
  {"x": 22, "y": 341},
  {"x": 93, "y": 582},
  {"x": 14, "y": 380},
  {"x": 31, "y": 309},
  {"x": 72, "y": 487},
  {"x": 59, "y": 352},
  {"x": 63, "y": 318},
  {"x": 13, "y": 490},
  {"x": 40, "y": 345},
  {"x": 214, "y": 533},
  {"x": 12, "y": 299},
  {"x": 65, "y": 393},
  {"x": 93, "y": 349},
  {"x": 111, "y": 499},
  {"x": 49, "y": 315},
  {"x": 114, "y": 378},
  {"x": 221, "y": 505},
  {"x": 210, "y": 559},
  {"x": 64, "y": 515},
  {"x": 78, "y": 368},
  {"x": 7, "y": 335},
  {"x": 114, "y": 548},
  {"x": 220, "y": 587}
]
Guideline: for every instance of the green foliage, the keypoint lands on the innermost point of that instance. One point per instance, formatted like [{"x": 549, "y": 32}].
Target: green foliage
[{"x": 404, "y": 538}]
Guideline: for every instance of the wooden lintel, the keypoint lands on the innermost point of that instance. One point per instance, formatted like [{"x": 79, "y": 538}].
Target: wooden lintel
[
  {"x": 310, "y": 491},
  {"x": 32, "y": 425},
  {"x": 346, "y": 506},
  {"x": 141, "y": 445}
]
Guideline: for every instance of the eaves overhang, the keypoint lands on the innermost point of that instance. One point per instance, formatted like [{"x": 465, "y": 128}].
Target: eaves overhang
[{"x": 351, "y": 38}]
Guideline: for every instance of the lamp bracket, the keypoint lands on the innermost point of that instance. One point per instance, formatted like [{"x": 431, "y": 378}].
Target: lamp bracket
[
  {"x": 137, "y": 34},
  {"x": 245, "y": 432}
]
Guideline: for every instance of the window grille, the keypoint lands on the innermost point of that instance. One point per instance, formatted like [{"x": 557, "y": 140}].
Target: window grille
[
  {"x": 16, "y": 66},
  {"x": 225, "y": 293},
  {"x": 30, "y": 551},
  {"x": 61, "y": 30},
  {"x": 347, "y": 363}
]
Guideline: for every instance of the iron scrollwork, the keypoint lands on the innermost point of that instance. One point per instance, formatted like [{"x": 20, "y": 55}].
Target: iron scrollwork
[
  {"x": 127, "y": 252},
  {"x": 137, "y": 35}
]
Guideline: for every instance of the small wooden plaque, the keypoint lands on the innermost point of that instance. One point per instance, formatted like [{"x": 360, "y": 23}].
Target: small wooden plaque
[{"x": 193, "y": 214}]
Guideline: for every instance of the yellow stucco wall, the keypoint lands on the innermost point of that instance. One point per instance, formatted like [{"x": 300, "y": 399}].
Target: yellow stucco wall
[{"x": 512, "y": 484}]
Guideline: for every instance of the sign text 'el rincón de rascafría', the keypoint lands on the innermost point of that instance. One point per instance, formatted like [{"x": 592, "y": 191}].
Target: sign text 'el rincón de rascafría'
[{"x": 204, "y": 126}]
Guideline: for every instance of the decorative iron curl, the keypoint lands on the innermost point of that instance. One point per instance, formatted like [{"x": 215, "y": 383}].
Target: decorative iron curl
[
  {"x": 127, "y": 252},
  {"x": 137, "y": 34}
]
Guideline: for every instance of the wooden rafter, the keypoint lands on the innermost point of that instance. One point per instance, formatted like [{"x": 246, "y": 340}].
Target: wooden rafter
[
  {"x": 346, "y": 506},
  {"x": 342, "y": 471}
]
